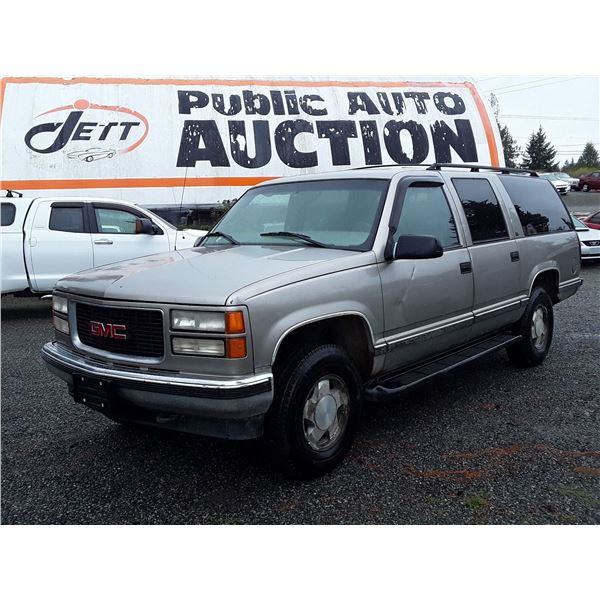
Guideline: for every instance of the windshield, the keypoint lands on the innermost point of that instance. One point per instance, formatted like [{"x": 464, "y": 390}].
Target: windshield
[
  {"x": 562, "y": 176},
  {"x": 335, "y": 213},
  {"x": 549, "y": 176}
]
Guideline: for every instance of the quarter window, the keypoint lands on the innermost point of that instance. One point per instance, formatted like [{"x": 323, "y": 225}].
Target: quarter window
[
  {"x": 67, "y": 218},
  {"x": 482, "y": 209},
  {"x": 8, "y": 214},
  {"x": 111, "y": 220},
  {"x": 539, "y": 207},
  {"x": 425, "y": 211}
]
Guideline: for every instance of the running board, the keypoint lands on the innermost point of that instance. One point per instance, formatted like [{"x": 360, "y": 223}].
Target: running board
[{"x": 398, "y": 381}]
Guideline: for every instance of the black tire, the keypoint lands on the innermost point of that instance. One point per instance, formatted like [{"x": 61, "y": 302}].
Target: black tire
[
  {"x": 287, "y": 434},
  {"x": 531, "y": 351},
  {"x": 585, "y": 188}
]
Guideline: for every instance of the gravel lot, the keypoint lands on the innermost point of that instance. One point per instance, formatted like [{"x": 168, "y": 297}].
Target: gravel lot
[{"x": 489, "y": 444}]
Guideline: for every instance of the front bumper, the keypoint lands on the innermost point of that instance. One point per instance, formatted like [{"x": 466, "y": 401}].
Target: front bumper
[
  {"x": 590, "y": 252},
  {"x": 224, "y": 407}
]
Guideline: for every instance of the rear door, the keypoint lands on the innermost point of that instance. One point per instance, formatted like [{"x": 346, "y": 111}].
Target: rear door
[
  {"x": 59, "y": 243},
  {"x": 114, "y": 234},
  {"x": 493, "y": 251},
  {"x": 427, "y": 303}
]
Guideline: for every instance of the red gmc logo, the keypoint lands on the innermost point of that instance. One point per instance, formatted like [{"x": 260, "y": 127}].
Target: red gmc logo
[{"x": 109, "y": 330}]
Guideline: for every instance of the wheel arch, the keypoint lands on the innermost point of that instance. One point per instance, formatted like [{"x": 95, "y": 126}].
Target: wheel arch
[
  {"x": 351, "y": 330},
  {"x": 549, "y": 279}
]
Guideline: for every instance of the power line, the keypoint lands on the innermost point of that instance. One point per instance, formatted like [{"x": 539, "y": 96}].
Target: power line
[
  {"x": 548, "y": 117},
  {"x": 539, "y": 85},
  {"x": 520, "y": 84}
]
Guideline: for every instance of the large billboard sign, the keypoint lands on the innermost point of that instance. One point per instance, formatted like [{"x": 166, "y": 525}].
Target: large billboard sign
[{"x": 145, "y": 140}]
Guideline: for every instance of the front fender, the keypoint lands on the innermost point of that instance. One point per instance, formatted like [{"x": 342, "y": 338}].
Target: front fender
[{"x": 276, "y": 313}]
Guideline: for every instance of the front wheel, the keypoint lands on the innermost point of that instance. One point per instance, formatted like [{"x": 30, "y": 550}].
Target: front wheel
[
  {"x": 536, "y": 327},
  {"x": 317, "y": 408}
]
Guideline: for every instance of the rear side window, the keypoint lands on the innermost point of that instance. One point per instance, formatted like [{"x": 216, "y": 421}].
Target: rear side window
[
  {"x": 8, "y": 214},
  {"x": 539, "y": 207},
  {"x": 67, "y": 218},
  {"x": 482, "y": 210},
  {"x": 425, "y": 211}
]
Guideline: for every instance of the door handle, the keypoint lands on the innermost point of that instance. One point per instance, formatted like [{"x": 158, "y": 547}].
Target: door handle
[
  {"x": 466, "y": 267},
  {"x": 514, "y": 256},
  {"x": 103, "y": 242}
]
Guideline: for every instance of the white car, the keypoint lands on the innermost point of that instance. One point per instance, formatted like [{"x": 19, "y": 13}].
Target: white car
[
  {"x": 572, "y": 181},
  {"x": 45, "y": 239},
  {"x": 561, "y": 186},
  {"x": 589, "y": 240}
]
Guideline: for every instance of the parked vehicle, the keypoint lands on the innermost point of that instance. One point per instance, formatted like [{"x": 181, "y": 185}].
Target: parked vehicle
[
  {"x": 572, "y": 181},
  {"x": 592, "y": 221},
  {"x": 315, "y": 294},
  {"x": 589, "y": 240},
  {"x": 562, "y": 187},
  {"x": 44, "y": 239},
  {"x": 590, "y": 182},
  {"x": 202, "y": 216}
]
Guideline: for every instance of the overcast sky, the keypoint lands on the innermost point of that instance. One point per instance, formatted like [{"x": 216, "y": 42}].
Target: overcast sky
[{"x": 566, "y": 107}]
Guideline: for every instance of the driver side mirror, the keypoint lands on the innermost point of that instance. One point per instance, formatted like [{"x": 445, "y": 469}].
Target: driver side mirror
[
  {"x": 144, "y": 226},
  {"x": 417, "y": 247}
]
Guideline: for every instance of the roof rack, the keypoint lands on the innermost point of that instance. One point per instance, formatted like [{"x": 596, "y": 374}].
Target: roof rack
[
  {"x": 477, "y": 168},
  {"x": 13, "y": 193},
  {"x": 391, "y": 165}
]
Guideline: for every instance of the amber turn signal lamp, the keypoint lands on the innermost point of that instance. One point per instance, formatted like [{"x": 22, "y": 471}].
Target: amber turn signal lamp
[
  {"x": 234, "y": 322},
  {"x": 236, "y": 347}
]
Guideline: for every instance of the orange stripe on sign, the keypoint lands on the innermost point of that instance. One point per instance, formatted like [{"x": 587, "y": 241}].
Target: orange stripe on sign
[
  {"x": 149, "y": 182},
  {"x": 487, "y": 124}
]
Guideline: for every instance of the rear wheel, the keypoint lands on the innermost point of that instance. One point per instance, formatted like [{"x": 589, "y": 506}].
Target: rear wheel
[
  {"x": 536, "y": 328},
  {"x": 316, "y": 412},
  {"x": 585, "y": 188}
]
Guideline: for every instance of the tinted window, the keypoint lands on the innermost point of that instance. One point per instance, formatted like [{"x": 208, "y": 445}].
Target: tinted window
[
  {"x": 425, "y": 211},
  {"x": 539, "y": 207},
  {"x": 8, "y": 214},
  {"x": 67, "y": 218},
  {"x": 111, "y": 220},
  {"x": 481, "y": 207},
  {"x": 595, "y": 219}
]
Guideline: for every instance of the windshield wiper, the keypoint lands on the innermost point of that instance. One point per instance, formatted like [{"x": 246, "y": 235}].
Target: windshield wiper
[
  {"x": 221, "y": 234},
  {"x": 291, "y": 234}
]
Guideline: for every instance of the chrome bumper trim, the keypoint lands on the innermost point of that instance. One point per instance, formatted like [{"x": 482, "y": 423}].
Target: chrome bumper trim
[{"x": 55, "y": 354}]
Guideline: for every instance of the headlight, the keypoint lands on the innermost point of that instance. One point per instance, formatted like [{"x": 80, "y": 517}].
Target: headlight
[
  {"x": 195, "y": 320},
  {"x": 60, "y": 305},
  {"x": 198, "y": 346}
]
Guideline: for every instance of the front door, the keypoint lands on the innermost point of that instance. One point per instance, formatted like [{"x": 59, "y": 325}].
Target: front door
[
  {"x": 115, "y": 238},
  {"x": 427, "y": 302}
]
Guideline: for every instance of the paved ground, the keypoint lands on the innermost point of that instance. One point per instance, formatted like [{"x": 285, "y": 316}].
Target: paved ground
[
  {"x": 582, "y": 203},
  {"x": 490, "y": 444}
]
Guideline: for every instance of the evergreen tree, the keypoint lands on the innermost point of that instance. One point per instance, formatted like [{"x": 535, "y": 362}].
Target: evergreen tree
[
  {"x": 589, "y": 157},
  {"x": 568, "y": 166},
  {"x": 539, "y": 154},
  {"x": 510, "y": 147}
]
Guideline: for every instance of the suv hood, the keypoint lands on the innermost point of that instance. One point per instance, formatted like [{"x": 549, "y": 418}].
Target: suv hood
[{"x": 209, "y": 276}]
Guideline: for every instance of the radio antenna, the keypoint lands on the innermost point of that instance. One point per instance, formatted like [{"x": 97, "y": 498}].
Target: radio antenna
[{"x": 181, "y": 206}]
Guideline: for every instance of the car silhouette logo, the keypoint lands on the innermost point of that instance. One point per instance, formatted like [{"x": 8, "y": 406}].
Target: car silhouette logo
[{"x": 92, "y": 154}]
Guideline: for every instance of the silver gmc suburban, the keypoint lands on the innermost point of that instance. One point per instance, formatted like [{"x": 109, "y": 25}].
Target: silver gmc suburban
[{"x": 314, "y": 294}]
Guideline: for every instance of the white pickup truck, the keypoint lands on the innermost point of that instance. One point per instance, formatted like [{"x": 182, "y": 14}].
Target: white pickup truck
[{"x": 45, "y": 239}]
